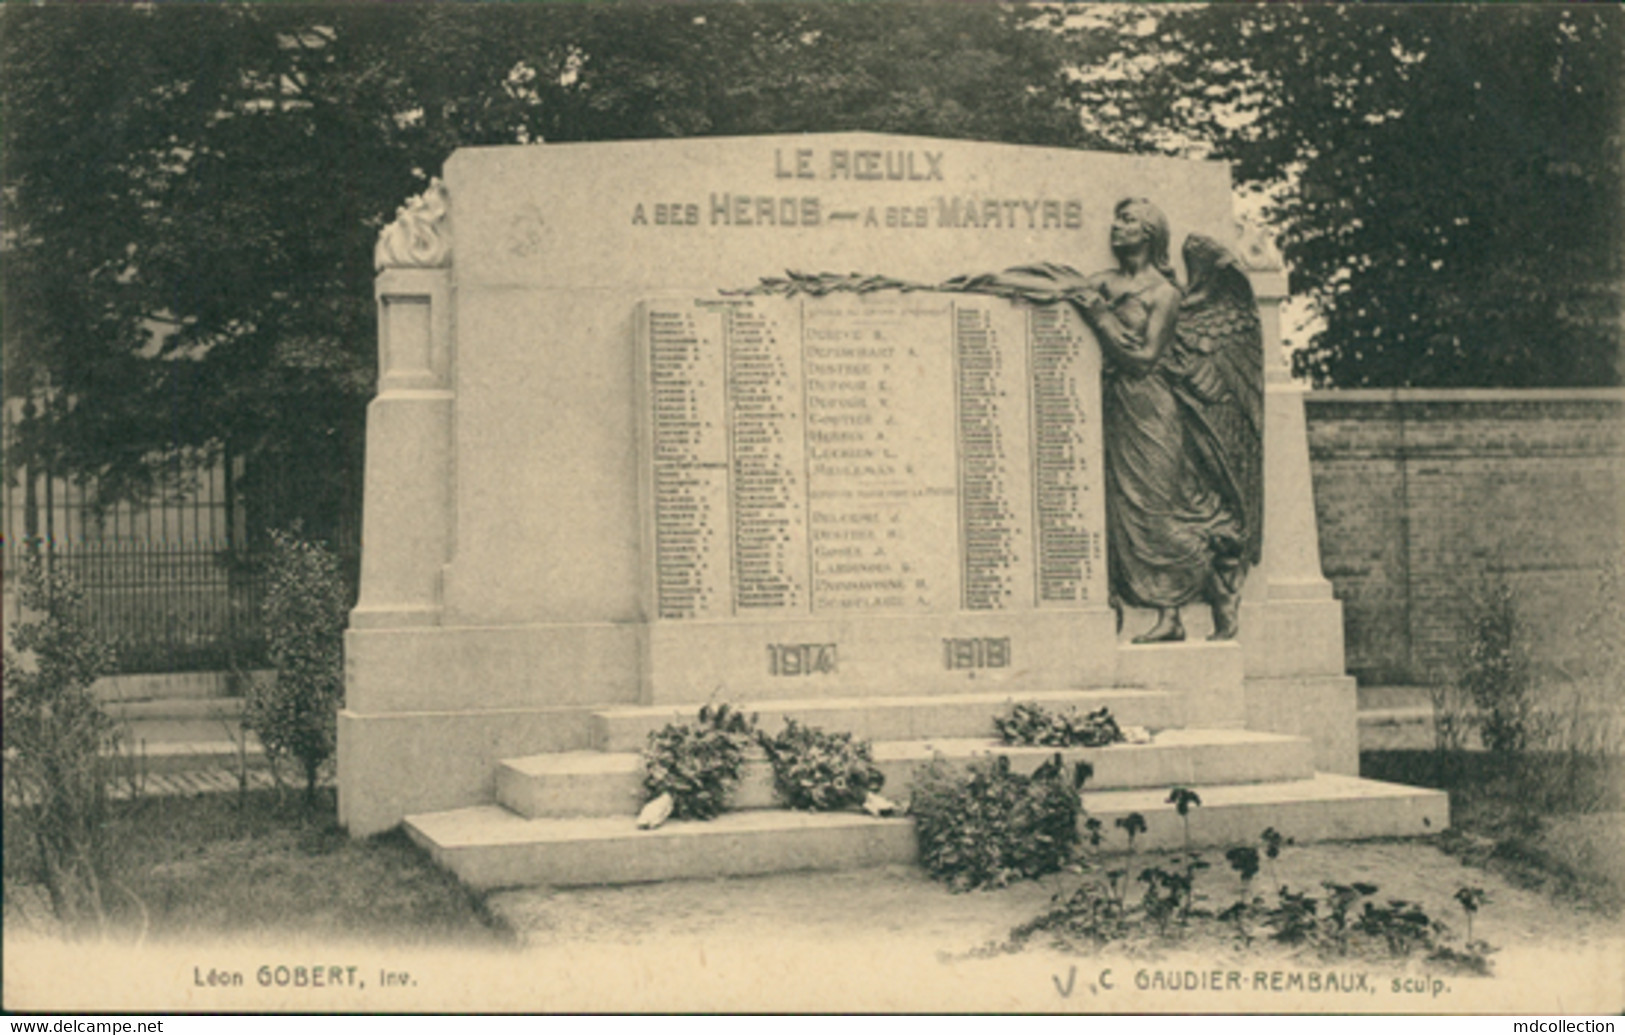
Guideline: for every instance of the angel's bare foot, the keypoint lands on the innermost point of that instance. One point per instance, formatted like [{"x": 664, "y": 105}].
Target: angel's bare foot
[{"x": 1169, "y": 629}]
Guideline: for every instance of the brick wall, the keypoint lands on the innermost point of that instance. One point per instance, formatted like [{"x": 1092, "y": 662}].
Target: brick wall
[{"x": 1422, "y": 495}]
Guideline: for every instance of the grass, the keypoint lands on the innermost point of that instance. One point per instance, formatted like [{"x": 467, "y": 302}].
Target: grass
[
  {"x": 1552, "y": 825},
  {"x": 203, "y": 867}
]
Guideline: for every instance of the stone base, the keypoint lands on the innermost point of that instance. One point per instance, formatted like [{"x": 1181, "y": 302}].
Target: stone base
[
  {"x": 490, "y": 847},
  {"x": 899, "y": 718},
  {"x": 430, "y": 711},
  {"x": 391, "y": 765},
  {"x": 880, "y": 654},
  {"x": 1293, "y": 637},
  {"x": 594, "y": 783},
  {"x": 1208, "y": 674},
  {"x": 1321, "y": 708},
  {"x": 487, "y": 668}
]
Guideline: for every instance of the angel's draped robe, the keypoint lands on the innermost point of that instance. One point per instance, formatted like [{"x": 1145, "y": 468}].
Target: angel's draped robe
[{"x": 1167, "y": 514}]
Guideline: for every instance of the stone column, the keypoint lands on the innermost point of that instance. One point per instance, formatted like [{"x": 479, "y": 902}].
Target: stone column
[
  {"x": 406, "y": 529},
  {"x": 406, "y": 525},
  {"x": 1292, "y": 626}
]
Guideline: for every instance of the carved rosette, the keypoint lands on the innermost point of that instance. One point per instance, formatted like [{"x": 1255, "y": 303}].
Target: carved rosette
[
  {"x": 1255, "y": 246},
  {"x": 419, "y": 237}
]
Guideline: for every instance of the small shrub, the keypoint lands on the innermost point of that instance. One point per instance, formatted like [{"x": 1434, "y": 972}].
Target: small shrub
[
  {"x": 1496, "y": 673},
  {"x": 1031, "y": 724},
  {"x": 1453, "y": 714},
  {"x": 818, "y": 770},
  {"x": 1092, "y": 916},
  {"x": 985, "y": 826},
  {"x": 60, "y": 745},
  {"x": 699, "y": 765},
  {"x": 296, "y": 715}
]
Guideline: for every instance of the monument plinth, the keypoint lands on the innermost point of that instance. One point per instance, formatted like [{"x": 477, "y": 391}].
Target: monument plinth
[{"x": 607, "y": 483}]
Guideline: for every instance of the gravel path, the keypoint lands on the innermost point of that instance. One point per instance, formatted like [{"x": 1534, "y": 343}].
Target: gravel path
[{"x": 889, "y": 938}]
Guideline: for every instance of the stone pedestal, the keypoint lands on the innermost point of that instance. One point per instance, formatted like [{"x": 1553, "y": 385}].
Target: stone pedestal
[
  {"x": 1292, "y": 627},
  {"x": 555, "y": 437}
]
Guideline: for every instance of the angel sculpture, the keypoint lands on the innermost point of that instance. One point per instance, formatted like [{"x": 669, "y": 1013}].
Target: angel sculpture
[{"x": 1182, "y": 398}]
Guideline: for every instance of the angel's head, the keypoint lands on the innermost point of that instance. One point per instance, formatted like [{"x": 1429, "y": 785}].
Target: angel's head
[{"x": 1135, "y": 221}]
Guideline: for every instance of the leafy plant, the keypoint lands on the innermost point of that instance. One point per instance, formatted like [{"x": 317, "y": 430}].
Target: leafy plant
[
  {"x": 295, "y": 716},
  {"x": 819, "y": 770},
  {"x": 1131, "y": 824},
  {"x": 1182, "y": 798},
  {"x": 1340, "y": 898},
  {"x": 1496, "y": 672},
  {"x": 1032, "y": 724},
  {"x": 1294, "y": 919},
  {"x": 698, "y": 764},
  {"x": 1474, "y": 956},
  {"x": 1241, "y": 913},
  {"x": 1098, "y": 912},
  {"x": 1402, "y": 925},
  {"x": 1273, "y": 841},
  {"x": 1470, "y": 898},
  {"x": 59, "y": 744},
  {"x": 1170, "y": 892},
  {"x": 1244, "y": 860},
  {"x": 1095, "y": 914},
  {"x": 985, "y": 825}
]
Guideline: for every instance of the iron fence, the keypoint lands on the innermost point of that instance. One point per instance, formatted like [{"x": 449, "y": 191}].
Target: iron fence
[{"x": 173, "y": 586}]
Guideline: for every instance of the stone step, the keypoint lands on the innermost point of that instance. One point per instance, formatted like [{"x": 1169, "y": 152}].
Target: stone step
[
  {"x": 177, "y": 708},
  {"x": 1327, "y": 807},
  {"x": 181, "y": 731},
  {"x": 159, "y": 686},
  {"x": 1399, "y": 729},
  {"x": 488, "y": 846},
  {"x": 179, "y": 720},
  {"x": 181, "y": 756},
  {"x": 591, "y": 783},
  {"x": 897, "y": 718},
  {"x": 1386, "y": 696}
]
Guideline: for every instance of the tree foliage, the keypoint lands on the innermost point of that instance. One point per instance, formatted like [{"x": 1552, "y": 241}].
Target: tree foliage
[
  {"x": 192, "y": 191},
  {"x": 1455, "y": 207}
]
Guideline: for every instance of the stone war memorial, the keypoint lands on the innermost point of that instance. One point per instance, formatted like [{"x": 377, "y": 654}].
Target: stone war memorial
[{"x": 633, "y": 452}]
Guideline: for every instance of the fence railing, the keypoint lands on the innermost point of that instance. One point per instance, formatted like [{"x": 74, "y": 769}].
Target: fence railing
[
  {"x": 170, "y": 608},
  {"x": 174, "y": 586}
]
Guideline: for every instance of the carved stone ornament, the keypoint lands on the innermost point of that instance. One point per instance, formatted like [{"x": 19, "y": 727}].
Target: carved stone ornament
[
  {"x": 420, "y": 236},
  {"x": 1255, "y": 246}
]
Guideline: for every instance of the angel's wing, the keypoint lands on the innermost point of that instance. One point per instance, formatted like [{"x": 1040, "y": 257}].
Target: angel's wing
[{"x": 1219, "y": 344}]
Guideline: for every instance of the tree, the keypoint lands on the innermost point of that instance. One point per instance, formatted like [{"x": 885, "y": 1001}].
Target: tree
[
  {"x": 192, "y": 192},
  {"x": 1449, "y": 187},
  {"x": 188, "y": 256}
]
